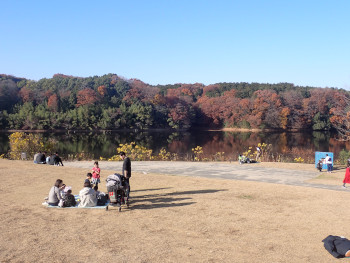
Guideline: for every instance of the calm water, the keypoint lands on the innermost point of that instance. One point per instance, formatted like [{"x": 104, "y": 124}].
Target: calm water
[{"x": 293, "y": 144}]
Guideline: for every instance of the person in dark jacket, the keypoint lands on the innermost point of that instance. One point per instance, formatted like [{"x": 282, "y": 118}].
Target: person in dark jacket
[
  {"x": 57, "y": 160},
  {"x": 338, "y": 247},
  {"x": 126, "y": 172},
  {"x": 69, "y": 199}
]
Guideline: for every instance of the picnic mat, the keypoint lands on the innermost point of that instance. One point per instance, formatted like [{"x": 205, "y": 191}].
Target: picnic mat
[{"x": 76, "y": 206}]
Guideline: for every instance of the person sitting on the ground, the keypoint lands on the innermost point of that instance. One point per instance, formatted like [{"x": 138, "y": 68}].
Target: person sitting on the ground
[
  {"x": 240, "y": 159},
  {"x": 52, "y": 159},
  {"x": 40, "y": 158},
  {"x": 87, "y": 196},
  {"x": 48, "y": 157},
  {"x": 57, "y": 160},
  {"x": 35, "y": 156},
  {"x": 69, "y": 199},
  {"x": 55, "y": 193},
  {"x": 63, "y": 191},
  {"x": 101, "y": 197},
  {"x": 88, "y": 178}
]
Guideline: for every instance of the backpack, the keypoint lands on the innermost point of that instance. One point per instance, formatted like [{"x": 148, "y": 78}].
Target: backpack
[{"x": 101, "y": 200}]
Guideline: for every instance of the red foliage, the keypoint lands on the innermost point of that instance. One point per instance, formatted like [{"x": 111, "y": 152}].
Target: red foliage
[
  {"x": 140, "y": 91},
  {"x": 52, "y": 103},
  {"x": 102, "y": 90},
  {"x": 86, "y": 97},
  {"x": 26, "y": 94}
]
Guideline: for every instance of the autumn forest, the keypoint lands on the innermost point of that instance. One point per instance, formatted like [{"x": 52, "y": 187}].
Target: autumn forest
[{"x": 111, "y": 102}]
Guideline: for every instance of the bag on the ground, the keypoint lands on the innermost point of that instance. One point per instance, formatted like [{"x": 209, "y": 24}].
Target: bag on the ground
[{"x": 101, "y": 199}]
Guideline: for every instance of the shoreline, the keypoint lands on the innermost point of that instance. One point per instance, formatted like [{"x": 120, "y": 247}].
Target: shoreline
[{"x": 159, "y": 130}]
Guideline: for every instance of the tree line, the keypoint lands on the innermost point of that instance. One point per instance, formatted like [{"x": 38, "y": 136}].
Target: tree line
[{"x": 112, "y": 102}]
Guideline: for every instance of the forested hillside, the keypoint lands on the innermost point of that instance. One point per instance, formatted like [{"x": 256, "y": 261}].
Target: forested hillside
[{"x": 112, "y": 102}]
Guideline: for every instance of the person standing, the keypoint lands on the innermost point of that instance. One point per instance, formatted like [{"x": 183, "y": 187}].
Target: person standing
[
  {"x": 328, "y": 161},
  {"x": 258, "y": 153},
  {"x": 126, "y": 172},
  {"x": 347, "y": 175},
  {"x": 96, "y": 174}
]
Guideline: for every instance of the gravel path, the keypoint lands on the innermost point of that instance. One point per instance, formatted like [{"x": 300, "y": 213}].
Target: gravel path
[{"x": 248, "y": 172}]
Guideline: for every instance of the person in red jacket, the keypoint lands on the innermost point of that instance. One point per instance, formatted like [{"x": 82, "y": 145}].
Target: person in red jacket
[
  {"x": 96, "y": 171},
  {"x": 347, "y": 176}
]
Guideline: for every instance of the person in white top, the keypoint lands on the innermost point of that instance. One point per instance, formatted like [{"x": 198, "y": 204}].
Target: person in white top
[{"x": 328, "y": 161}]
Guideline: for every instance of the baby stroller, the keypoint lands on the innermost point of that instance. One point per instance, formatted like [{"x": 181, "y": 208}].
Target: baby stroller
[{"x": 116, "y": 188}]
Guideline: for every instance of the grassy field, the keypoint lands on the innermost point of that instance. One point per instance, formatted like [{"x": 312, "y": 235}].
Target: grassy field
[{"x": 170, "y": 219}]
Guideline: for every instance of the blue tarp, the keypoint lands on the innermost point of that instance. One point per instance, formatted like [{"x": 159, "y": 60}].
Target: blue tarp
[{"x": 320, "y": 155}]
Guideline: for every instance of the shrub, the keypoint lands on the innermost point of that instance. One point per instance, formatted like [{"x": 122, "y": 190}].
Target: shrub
[
  {"x": 344, "y": 155},
  {"x": 29, "y": 143},
  {"x": 198, "y": 152},
  {"x": 135, "y": 152}
]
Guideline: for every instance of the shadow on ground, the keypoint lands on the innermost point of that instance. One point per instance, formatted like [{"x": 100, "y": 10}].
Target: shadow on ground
[{"x": 172, "y": 199}]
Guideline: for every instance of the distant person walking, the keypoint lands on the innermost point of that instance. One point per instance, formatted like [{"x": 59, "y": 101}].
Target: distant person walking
[
  {"x": 126, "y": 171},
  {"x": 347, "y": 175},
  {"x": 258, "y": 153}
]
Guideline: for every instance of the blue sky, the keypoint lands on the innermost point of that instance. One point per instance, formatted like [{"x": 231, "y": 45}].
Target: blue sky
[{"x": 167, "y": 42}]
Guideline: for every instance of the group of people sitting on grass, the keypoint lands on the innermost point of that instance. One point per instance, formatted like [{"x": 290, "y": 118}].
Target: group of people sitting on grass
[
  {"x": 52, "y": 159},
  {"x": 61, "y": 195},
  {"x": 89, "y": 196}
]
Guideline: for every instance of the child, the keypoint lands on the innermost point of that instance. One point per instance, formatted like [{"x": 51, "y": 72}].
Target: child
[
  {"x": 62, "y": 191},
  {"x": 69, "y": 199},
  {"x": 88, "y": 178},
  {"x": 95, "y": 174}
]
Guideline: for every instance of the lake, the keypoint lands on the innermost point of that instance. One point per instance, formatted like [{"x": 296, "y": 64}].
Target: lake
[{"x": 284, "y": 145}]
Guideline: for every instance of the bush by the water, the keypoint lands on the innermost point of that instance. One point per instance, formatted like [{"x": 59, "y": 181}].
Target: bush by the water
[{"x": 30, "y": 144}]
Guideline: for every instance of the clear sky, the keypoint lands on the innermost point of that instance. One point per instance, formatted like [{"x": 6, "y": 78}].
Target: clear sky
[{"x": 304, "y": 42}]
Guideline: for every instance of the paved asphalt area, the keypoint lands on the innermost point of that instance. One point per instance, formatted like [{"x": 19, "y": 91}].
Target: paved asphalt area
[{"x": 234, "y": 171}]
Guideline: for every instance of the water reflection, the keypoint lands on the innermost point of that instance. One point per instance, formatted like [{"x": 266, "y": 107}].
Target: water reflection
[{"x": 295, "y": 144}]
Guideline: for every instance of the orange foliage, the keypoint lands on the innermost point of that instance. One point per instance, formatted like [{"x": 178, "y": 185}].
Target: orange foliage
[
  {"x": 86, "y": 97},
  {"x": 26, "y": 94},
  {"x": 102, "y": 90},
  {"x": 52, "y": 103}
]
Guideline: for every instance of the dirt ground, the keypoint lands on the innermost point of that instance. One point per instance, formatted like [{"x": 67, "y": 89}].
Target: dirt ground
[{"x": 170, "y": 219}]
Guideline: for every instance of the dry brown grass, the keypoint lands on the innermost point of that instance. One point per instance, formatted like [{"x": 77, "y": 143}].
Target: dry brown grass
[{"x": 171, "y": 219}]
